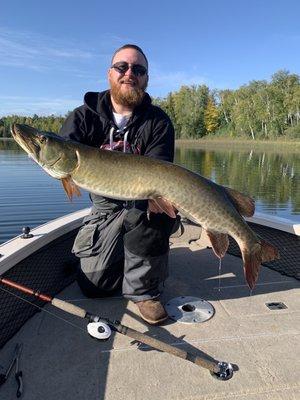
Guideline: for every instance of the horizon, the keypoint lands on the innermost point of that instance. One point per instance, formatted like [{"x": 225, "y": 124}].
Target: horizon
[{"x": 162, "y": 97}]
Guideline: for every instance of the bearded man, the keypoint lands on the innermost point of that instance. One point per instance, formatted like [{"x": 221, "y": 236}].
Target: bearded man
[{"x": 124, "y": 245}]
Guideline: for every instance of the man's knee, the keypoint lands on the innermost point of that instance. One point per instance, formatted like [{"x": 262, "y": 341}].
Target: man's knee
[{"x": 100, "y": 282}]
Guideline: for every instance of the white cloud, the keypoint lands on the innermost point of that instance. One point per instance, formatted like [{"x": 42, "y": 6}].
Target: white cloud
[
  {"x": 39, "y": 52},
  {"x": 22, "y": 105},
  {"x": 177, "y": 79},
  {"x": 162, "y": 83}
]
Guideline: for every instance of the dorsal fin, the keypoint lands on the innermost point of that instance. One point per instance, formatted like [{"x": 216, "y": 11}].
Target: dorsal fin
[
  {"x": 70, "y": 187},
  {"x": 243, "y": 203}
]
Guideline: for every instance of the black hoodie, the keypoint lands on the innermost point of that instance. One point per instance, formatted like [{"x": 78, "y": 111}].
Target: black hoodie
[{"x": 151, "y": 132}]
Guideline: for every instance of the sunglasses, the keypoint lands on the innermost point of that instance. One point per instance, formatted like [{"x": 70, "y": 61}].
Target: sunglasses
[{"x": 123, "y": 66}]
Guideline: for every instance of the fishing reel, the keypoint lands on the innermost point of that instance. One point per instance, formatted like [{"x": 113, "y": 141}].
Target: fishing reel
[
  {"x": 225, "y": 371},
  {"x": 99, "y": 330}
]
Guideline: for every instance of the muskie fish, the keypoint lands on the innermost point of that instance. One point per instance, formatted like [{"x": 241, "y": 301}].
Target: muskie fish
[{"x": 217, "y": 209}]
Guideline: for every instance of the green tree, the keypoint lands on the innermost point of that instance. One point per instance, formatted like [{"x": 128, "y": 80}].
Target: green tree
[
  {"x": 189, "y": 107},
  {"x": 211, "y": 116}
]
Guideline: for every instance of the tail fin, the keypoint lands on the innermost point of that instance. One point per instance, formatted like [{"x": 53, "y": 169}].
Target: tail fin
[
  {"x": 269, "y": 252},
  {"x": 261, "y": 252}
]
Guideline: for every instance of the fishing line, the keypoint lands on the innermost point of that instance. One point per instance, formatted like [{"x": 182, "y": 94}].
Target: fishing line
[
  {"x": 220, "y": 269},
  {"x": 43, "y": 309},
  {"x": 250, "y": 301},
  {"x": 258, "y": 284}
]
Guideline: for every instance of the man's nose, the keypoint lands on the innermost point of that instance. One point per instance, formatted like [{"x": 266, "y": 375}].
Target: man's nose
[{"x": 129, "y": 72}]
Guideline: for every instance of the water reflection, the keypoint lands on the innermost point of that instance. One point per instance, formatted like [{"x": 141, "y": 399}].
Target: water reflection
[
  {"x": 28, "y": 196},
  {"x": 9, "y": 144},
  {"x": 273, "y": 179}
]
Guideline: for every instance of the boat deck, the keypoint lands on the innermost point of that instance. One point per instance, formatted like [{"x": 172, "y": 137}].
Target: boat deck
[{"x": 61, "y": 361}]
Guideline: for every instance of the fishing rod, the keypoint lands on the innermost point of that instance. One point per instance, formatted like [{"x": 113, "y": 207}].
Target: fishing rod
[{"x": 101, "y": 328}]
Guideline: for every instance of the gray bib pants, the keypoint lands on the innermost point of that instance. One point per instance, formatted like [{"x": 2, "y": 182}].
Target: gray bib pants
[{"x": 119, "y": 247}]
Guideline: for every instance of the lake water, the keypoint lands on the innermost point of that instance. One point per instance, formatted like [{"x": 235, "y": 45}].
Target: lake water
[{"x": 29, "y": 197}]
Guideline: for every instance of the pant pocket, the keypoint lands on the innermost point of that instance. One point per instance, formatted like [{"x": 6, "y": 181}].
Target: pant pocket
[{"x": 85, "y": 244}]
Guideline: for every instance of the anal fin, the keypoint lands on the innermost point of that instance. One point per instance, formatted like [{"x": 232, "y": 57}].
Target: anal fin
[{"x": 219, "y": 242}]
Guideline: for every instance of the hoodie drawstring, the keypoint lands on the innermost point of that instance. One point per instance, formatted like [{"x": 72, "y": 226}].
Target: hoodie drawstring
[
  {"x": 111, "y": 137},
  {"x": 125, "y": 141}
]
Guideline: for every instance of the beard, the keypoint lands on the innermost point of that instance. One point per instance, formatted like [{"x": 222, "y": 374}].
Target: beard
[{"x": 129, "y": 98}]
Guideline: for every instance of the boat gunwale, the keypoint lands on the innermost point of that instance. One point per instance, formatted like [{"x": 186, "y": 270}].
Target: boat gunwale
[{"x": 16, "y": 249}]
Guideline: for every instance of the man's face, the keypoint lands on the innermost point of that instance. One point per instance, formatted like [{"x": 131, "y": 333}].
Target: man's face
[{"x": 128, "y": 87}]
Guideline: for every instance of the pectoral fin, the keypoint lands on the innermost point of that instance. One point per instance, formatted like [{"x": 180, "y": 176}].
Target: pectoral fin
[
  {"x": 219, "y": 242},
  {"x": 243, "y": 203},
  {"x": 70, "y": 187},
  {"x": 165, "y": 206}
]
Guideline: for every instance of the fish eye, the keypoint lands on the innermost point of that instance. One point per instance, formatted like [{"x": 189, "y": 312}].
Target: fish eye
[{"x": 42, "y": 139}]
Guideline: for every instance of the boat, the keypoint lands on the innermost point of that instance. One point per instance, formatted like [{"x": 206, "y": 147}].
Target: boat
[{"x": 256, "y": 333}]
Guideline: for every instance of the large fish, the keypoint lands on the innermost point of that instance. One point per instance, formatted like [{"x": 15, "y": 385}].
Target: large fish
[{"x": 217, "y": 209}]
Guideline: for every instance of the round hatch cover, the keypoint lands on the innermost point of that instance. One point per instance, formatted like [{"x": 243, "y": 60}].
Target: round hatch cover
[{"x": 189, "y": 310}]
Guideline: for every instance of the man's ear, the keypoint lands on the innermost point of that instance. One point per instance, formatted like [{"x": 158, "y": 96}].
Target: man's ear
[{"x": 108, "y": 73}]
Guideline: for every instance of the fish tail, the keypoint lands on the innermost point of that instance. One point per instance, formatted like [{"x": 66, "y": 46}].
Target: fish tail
[{"x": 262, "y": 251}]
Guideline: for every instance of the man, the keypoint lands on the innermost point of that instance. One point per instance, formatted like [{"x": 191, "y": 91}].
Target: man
[{"x": 124, "y": 243}]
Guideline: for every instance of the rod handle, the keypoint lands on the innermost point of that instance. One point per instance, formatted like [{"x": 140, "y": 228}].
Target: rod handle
[
  {"x": 167, "y": 348},
  {"x": 68, "y": 307}
]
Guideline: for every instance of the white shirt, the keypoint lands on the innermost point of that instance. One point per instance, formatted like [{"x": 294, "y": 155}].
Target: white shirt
[{"x": 121, "y": 120}]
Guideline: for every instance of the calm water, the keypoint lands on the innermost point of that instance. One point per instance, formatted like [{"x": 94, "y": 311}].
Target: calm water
[{"x": 29, "y": 197}]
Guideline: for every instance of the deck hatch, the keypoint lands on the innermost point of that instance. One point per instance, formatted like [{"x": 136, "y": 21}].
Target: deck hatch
[
  {"x": 189, "y": 310},
  {"x": 276, "y": 306}
]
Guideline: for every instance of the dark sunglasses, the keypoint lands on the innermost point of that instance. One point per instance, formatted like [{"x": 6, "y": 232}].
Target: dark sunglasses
[{"x": 123, "y": 66}]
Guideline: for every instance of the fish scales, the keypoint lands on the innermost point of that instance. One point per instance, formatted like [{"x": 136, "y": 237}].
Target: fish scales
[{"x": 129, "y": 177}]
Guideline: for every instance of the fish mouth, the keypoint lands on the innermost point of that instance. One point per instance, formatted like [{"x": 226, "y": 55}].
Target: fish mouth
[
  {"x": 28, "y": 138},
  {"x": 25, "y": 137}
]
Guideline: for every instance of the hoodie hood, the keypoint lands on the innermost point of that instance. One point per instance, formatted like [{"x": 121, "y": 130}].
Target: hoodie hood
[{"x": 100, "y": 104}]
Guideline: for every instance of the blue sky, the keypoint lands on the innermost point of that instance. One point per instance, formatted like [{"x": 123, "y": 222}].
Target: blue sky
[{"x": 51, "y": 53}]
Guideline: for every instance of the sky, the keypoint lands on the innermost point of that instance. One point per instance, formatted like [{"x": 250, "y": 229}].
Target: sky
[{"x": 52, "y": 53}]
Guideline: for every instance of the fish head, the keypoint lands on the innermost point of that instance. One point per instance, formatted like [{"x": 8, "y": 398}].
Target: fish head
[{"x": 53, "y": 153}]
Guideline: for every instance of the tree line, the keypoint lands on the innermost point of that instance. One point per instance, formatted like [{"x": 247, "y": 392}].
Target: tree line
[
  {"x": 50, "y": 123},
  {"x": 258, "y": 110}
]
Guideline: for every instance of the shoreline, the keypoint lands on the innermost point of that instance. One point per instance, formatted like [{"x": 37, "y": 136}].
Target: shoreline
[
  {"x": 236, "y": 144},
  {"x": 224, "y": 143}
]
